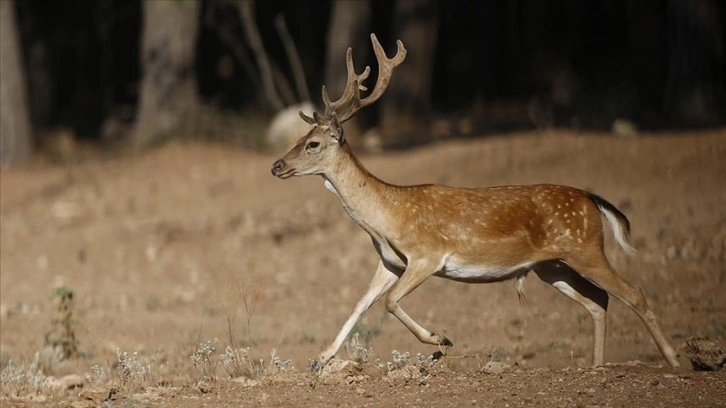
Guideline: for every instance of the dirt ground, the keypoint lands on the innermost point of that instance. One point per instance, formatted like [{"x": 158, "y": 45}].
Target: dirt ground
[{"x": 169, "y": 250}]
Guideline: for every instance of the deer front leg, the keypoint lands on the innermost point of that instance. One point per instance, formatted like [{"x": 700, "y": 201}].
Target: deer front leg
[
  {"x": 382, "y": 281},
  {"x": 415, "y": 274}
]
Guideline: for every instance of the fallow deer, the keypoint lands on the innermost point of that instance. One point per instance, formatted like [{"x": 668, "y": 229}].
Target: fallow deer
[{"x": 464, "y": 234}]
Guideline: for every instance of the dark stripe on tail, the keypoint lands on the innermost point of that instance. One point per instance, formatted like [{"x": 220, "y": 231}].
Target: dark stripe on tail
[{"x": 603, "y": 203}]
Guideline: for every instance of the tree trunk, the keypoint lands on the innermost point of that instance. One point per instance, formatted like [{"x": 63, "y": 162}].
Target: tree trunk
[
  {"x": 349, "y": 27},
  {"x": 696, "y": 62},
  {"x": 15, "y": 133},
  {"x": 409, "y": 95},
  {"x": 168, "y": 89}
]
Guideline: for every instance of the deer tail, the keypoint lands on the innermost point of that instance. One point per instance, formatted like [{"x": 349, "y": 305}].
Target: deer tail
[{"x": 618, "y": 222}]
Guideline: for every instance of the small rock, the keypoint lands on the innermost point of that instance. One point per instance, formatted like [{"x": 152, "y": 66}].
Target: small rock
[
  {"x": 286, "y": 127},
  {"x": 706, "y": 354},
  {"x": 336, "y": 366},
  {"x": 665, "y": 383},
  {"x": 495, "y": 367},
  {"x": 405, "y": 374},
  {"x": 71, "y": 381},
  {"x": 97, "y": 394},
  {"x": 67, "y": 211},
  {"x": 373, "y": 371},
  {"x": 83, "y": 404},
  {"x": 247, "y": 382},
  {"x": 624, "y": 127},
  {"x": 203, "y": 387},
  {"x": 67, "y": 382},
  {"x": 337, "y": 371},
  {"x": 671, "y": 252},
  {"x": 528, "y": 355}
]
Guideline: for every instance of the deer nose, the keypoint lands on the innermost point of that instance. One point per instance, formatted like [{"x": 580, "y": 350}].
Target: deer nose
[{"x": 277, "y": 166}]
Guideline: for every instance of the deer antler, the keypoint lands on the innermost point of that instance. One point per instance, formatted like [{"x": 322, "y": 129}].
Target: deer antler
[{"x": 351, "y": 99}]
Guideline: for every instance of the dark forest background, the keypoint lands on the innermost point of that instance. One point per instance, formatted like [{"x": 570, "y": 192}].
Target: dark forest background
[{"x": 129, "y": 74}]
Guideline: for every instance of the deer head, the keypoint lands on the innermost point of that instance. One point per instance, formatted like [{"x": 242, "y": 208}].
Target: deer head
[{"x": 316, "y": 151}]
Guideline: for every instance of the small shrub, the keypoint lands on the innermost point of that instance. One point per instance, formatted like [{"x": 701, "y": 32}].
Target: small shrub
[
  {"x": 276, "y": 365},
  {"x": 97, "y": 376},
  {"x": 202, "y": 357},
  {"x": 240, "y": 363},
  {"x": 237, "y": 363},
  {"x": 131, "y": 368},
  {"x": 356, "y": 351},
  {"x": 401, "y": 360},
  {"x": 23, "y": 380}
]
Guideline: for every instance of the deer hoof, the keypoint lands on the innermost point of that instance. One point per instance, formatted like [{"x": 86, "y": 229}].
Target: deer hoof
[
  {"x": 446, "y": 342},
  {"x": 437, "y": 356},
  {"x": 316, "y": 366}
]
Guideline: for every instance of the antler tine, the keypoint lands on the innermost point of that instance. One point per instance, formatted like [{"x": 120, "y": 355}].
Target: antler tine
[
  {"x": 352, "y": 87},
  {"x": 385, "y": 70}
]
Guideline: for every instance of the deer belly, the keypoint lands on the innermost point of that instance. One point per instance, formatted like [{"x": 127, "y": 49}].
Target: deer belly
[{"x": 476, "y": 273}]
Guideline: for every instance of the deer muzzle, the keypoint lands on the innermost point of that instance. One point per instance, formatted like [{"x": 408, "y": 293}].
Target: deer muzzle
[{"x": 280, "y": 169}]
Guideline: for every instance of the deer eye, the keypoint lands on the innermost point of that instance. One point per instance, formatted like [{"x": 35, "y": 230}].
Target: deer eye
[{"x": 313, "y": 145}]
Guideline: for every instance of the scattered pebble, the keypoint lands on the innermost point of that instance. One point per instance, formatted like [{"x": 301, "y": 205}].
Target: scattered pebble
[{"x": 494, "y": 367}]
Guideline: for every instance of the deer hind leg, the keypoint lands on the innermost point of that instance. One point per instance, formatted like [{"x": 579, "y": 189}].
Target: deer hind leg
[
  {"x": 599, "y": 271},
  {"x": 416, "y": 273},
  {"x": 592, "y": 298},
  {"x": 381, "y": 283}
]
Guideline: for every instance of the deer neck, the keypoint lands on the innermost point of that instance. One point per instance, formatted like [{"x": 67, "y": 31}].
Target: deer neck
[{"x": 366, "y": 199}]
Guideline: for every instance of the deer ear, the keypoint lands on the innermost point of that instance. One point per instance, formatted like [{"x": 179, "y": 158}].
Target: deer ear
[
  {"x": 307, "y": 119},
  {"x": 336, "y": 129}
]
